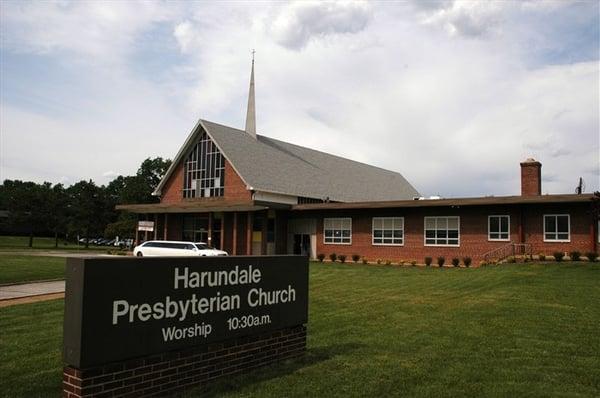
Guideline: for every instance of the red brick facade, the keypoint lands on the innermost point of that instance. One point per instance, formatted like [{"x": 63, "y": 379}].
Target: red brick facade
[
  {"x": 474, "y": 243},
  {"x": 235, "y": 189},
  {"x": 173, "y": 372},
  {"x": 531, "y": 178}
]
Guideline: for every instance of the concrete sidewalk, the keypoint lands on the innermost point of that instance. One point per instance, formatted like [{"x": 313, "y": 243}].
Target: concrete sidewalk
[{"x": 31, "y": 289}]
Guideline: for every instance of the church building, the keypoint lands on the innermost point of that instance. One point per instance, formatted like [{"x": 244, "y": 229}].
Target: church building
[{"x": 246, "y": 194}]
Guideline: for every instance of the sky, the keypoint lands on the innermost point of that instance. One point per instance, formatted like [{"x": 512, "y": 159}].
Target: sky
[{"x": 451, "y": 94}]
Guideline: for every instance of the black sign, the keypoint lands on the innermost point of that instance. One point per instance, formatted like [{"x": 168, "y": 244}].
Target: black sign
[{"x": 121, "y": 308}]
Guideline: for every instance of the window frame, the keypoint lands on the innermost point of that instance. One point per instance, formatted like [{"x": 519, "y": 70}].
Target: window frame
[
  {"x": 440, "y": 244},
  {"x": 383, "y": 229},
  {"x": 341, "y": 219},
  {"x": 500, "y": 231},
  {"x": 556, "y": 232}
]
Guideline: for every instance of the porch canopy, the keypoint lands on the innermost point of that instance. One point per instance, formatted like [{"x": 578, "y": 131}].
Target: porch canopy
[{"x": 194, "y": 207}]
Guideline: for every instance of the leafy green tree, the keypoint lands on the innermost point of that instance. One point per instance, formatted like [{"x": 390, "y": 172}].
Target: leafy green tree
[
  {"x": 57, "y": 207},
  {"x": 87, "y": 208},
  {"x": 25, "y": 202}
]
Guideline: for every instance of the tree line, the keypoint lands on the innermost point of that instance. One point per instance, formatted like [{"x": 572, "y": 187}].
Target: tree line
[{"x": 83, "y": 209}]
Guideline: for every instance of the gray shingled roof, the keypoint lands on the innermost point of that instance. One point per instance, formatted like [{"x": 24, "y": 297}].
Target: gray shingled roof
[{"x": 270, "y": 165}]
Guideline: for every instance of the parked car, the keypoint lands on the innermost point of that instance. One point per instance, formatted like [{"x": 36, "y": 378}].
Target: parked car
[
  {"x": 175, "y": 248},
  {"x": 123, "y": 242}
]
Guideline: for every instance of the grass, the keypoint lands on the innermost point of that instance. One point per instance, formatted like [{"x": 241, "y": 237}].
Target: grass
[
  {"x": 19, "y": 268},
  {"x": 511, "y": 330},
  {"x": 31, "y": 354},
  {"x": 22, "y": 243}
]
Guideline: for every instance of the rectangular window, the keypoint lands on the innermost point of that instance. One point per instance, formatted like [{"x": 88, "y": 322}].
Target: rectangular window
[
  {"x": 557, "y": 228},
  {"x": 442, "y": 231},
  {"x": 499, "y": 228},
  {"x": 337, "y": 231},
  {"x": 388, "y": 231}
]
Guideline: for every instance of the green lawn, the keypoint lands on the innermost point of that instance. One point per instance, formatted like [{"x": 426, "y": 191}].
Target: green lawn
[
  {"x": 511, "y": 330},
  {"x": 22, "y": 243},
  {"x": 19, "y": 268}
]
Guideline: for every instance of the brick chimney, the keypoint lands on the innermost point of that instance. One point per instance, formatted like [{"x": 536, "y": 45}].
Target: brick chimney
[{"x": 531, "y": 178}]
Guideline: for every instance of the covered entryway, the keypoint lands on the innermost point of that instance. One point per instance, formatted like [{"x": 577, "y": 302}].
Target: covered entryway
[{"x": 302, "y": 236}]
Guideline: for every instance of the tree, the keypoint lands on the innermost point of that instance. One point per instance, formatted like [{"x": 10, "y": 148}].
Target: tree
[
  {"x": 57, "y": 205},
  {"x": 87, "y": 208},
  {"x": 25, "y": 202}
]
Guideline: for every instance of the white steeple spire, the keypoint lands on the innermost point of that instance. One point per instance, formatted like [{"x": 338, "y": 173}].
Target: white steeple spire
[{"x": 251, "y": 112}]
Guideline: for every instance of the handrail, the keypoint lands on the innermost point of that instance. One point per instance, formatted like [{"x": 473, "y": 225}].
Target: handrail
[
  {"x": 500, "y": 249},
  {"x": 510, "y": 249}
]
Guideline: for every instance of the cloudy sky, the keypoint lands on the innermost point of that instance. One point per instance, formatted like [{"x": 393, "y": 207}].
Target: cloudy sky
[{"x": 453, "y": 95}]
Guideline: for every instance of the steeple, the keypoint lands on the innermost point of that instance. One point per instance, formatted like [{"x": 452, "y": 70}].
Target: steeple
[{"x": 251, "y": 113}]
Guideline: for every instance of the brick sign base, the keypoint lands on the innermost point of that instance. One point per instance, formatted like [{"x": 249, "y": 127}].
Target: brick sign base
[{"x": 172, "y": 372}]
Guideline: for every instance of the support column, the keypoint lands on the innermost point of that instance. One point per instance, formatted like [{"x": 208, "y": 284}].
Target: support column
[
  {"x": 145, "y": 232},
  {"x": 249, "y": 227},
  {"x": 265, "y": 224},
  {"x": 593, "y": 224},
  {"x": 165, "y": 227},
  {"x": 222, "y": 231},
  {"x": 235, "y": 226},
  {"x": 210, "y": 225},
  {"x": 135, "y": 240},
  {"x": 155, "y": 226}
]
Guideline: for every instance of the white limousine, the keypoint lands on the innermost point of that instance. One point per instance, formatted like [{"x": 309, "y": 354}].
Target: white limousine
[{"x": 167, "y": 248}]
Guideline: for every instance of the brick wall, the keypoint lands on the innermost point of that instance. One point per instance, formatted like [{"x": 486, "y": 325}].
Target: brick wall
[
  {"x": 172, "y": 192},
  {"x": 172, "y": 372},
  {"x": 531, "y": 178},
  {"x": 474, "y": 241},
  {"x": 235, "y": 189}
]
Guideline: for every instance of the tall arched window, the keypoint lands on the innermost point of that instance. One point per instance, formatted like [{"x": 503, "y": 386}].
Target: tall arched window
[{"x": 204, "y": 170}]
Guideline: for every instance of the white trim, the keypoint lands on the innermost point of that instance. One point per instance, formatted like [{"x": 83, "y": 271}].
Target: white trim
[
  {"x": 373, "y": 232},
  {"x": 341, "y": 219},
  {"x": 437, "y": 244},
  {"x": 556, "y": 232},
  {"x": 500, "y": 232}
]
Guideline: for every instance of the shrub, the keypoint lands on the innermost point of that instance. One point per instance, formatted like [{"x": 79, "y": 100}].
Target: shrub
[
  {"x": 541, "y": 257},
  {"x": 455, "y": 262},
  {"x": 413, "y": 262},
  {"x": 378, "y": 261},
  {"x": 428, "y": 261},
  {"x": 558, "y": 256},
  {"x": 320, "y": 257},
  {"x": 592, "y": 256},
  {"x": 364, "y": 260},
  {"x": 575, "y": 256},
  {"x": 511, "y": 260},
  {"x": 342, "y": 258},
  {"x": 333, "y": 257},
  {"x": 355, "y": 258},
  {"x": 467, "y": 261},
  {"x": 440, "y": 261}
]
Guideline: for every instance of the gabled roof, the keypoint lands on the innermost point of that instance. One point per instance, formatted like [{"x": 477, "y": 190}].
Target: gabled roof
[{"x": 269, "y": 165}]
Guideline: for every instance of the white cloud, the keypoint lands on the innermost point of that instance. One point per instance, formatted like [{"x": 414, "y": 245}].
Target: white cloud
[
  {"x": 301, "y": 21},
  {"x": 371, "y": 82},
  {"x": 110, "y": 174}
]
